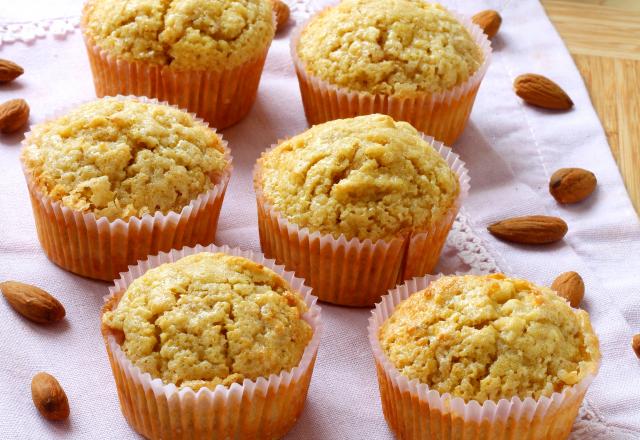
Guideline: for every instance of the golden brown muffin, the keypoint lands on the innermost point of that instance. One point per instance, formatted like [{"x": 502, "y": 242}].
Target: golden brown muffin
[
  {"x": 210, "y": 319},
  {"x": 390, "y": 47},
  {"x": 185, "y": 34},
  {"x": 490, "y": 337},
  {"x": 120, "y": 158},
  {"x": 365, "y": 177}
]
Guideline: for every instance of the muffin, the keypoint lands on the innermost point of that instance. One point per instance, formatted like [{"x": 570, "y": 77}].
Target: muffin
[
  {"x": 412, "y": 60},
  {"x": 357, "y": 205},
  {"x": 205, "y": 56},
  {"x": 481, "y": 354},
  {"x": 211, "y": 343},
  {"x": 114, "y": 180}
]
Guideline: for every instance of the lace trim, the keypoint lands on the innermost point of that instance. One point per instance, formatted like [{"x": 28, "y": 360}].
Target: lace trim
[
  {"x": 470, "y": 248},
  {"x": 28, "y": 32}
]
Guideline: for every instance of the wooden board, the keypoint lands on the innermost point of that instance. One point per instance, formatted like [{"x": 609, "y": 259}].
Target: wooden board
[{"x": 604, "y": 38}]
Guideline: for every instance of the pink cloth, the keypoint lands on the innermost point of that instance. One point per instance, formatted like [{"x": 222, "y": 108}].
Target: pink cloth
[{"x": 510, "y": 149}]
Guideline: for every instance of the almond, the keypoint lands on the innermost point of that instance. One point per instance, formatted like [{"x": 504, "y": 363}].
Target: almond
[
  {"x": 9, "y": 71},
  {"x": 32, "y": 302},
  {"x": 49, "y": 397},
  {"x": 542, "y": 92},
  {"x": 531, "y": 229},
  {"x": 635, "y": 343},
  {"x": 572, "y": 185},
  {"x": 489, "y": 21},
  {"x": 570, "y": 286},
  {"x": 281, "y": 10},
  {"x": 13, "y": 115}
]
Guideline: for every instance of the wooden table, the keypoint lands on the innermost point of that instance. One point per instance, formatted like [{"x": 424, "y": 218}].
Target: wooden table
[{"x": 604, "y": 38}]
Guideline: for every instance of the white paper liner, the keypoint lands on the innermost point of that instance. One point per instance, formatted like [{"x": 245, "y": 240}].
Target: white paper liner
[
  {"x": 442, "y": 115},
  {"x": 414, "y": 411},
  {"x": 264, "y": 408},
  {"x": 221, "y": 96},
  {"x": 355, "y": 272},
  {"x": 95, "y": 247}
]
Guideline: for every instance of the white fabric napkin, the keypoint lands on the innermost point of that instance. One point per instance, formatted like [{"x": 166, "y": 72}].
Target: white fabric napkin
[{"x": 510, "y": 149}]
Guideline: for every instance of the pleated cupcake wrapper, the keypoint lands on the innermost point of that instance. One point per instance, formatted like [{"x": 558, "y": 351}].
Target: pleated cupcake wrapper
[
  {"x": 442, "y": 115},
  {"x": 355, "y": 272},
  {"x": 262, "y": 409},
  {"x": 221, "y": 97},
  {"x": 95, "y": 247},
  {"x": 413, "y": 411}
]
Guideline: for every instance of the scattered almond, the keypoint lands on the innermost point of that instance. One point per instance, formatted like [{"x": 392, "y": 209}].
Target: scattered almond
[
  {"x": 489, "y": 21},
  {"x": 49, "y": 397},
  {"x": 572, "y": 185},
  {"x": 570, "y": 286},
  {"x": 32, "y": 302},
  {"x": 14, "y": 114},
  {"x": 635, "y": 343},
  {"x": 531, "y": 229},
  {"x": 282, "y": 13},
  {"x": 542, "y": 92},
  {"x": 9, "y": 71}
]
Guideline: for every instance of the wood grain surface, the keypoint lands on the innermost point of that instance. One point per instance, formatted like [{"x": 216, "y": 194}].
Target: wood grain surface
[{"x": 604, "y": 38}]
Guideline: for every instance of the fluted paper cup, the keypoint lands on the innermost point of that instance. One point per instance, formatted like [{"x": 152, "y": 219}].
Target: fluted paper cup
[
  {"x": 262, "y": 409},
  {"x": 356, "y": 272},
  {"x": 413, "y": 411},
  {"x": 442, "y": 115},
  {"x": 221, "y": 96},
  {"x": 95, "y": 247}
]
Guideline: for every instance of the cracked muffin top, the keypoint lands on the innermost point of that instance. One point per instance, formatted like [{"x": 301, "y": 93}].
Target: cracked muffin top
[
  {"x": 365, "y": 177},
  {"x": 210, "y": 319},
  {"x": 490, "y": 337},
  {"x": 185, "y": 34},
  {"x": 120, "y": 158},
  {"x": 391, "y": 47}
]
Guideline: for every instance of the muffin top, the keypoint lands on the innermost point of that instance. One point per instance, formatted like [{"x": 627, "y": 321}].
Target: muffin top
[
  {"x": 120, "y": 158},
  {"x": 390, "y": 47},
  {"x": 185, "y": 34},
  {"x": 490, "y": 337},
  {"x": 210, "y": 319},
  {"x": 365, "y": 177}
]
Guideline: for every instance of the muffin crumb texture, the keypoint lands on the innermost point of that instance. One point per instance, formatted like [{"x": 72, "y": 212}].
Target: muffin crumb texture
[
  {"x": 210, "y": 319},
  {"x": 391, "y": 47},
  {"x": 490, "y": 337},
  {"x": 185, "y": 34},
  {"x": 365, "y": 177},
  {"x": 122, "y": 158}
]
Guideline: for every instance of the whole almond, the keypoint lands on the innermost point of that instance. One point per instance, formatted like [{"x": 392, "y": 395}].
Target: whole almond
[
  {"x": 542, "y": 92},
  {"x": 32, "y": 302},
  {"x": 531, "y": 229},
  {"x": 570, "y": 286},
  {"x": 9, "y": 71},
  {"x": 282, "y": 13},
  {"x": 572, "y": 185},
  {"x": 14, "y": 114},
  {"x": 489, "y": 21},
  {"x": 49, "y": 397},
  {"x": 635, "y": 343}
]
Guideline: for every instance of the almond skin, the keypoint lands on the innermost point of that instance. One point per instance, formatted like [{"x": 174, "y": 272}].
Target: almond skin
[
  {"x": 570, "y": 286},
  {"x": 542, "y": 92},
  {"x": 531, "y": 229},
  {"x": 14, "y": 114},
  {"x": 32, "y": 302},
  {"x": 282, "y": 12},
  {"x": 49, "y": 397},
  {"x": 489, "y": 21},
  {"x": 572, "y": 185},
  {"x": 9, "y": 71},
  {"x": 635, "y": 344}
]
